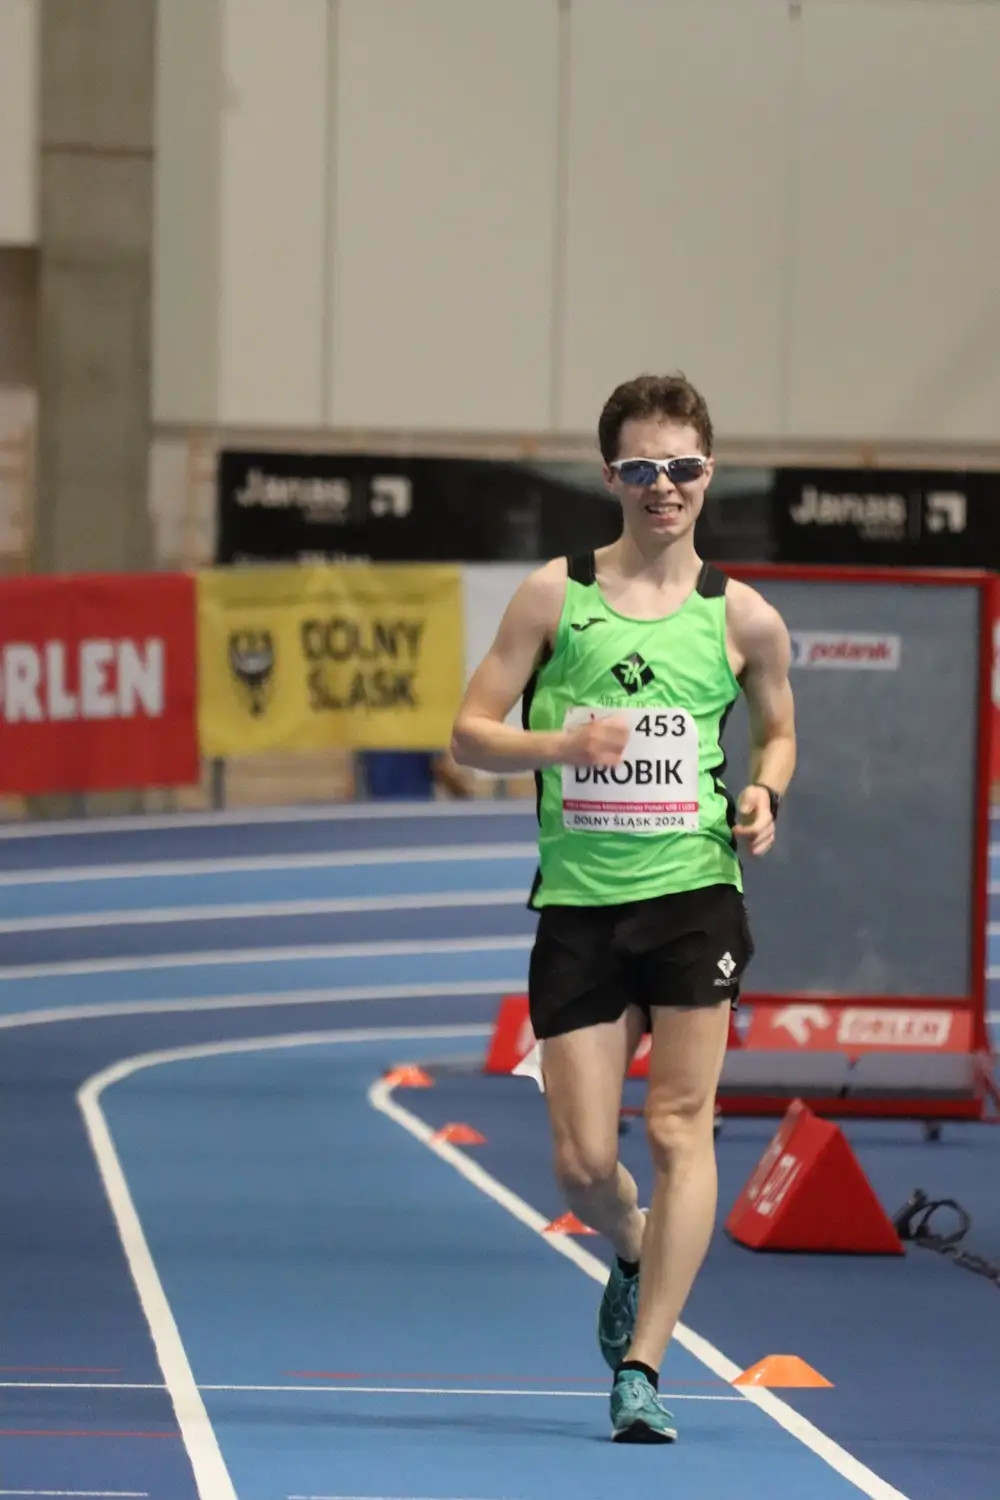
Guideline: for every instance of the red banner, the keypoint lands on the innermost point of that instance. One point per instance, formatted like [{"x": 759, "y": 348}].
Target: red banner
[
  {"x": 858, "y": 1027},
  {"x": 994, "y": 595},
  {"x": 97, "y": 682}
]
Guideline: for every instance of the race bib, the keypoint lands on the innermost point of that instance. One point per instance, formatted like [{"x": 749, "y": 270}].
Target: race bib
[{"x": 654, "y": 789}]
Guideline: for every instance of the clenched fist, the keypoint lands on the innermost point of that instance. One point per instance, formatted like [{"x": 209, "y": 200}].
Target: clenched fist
[
  {"x": 756, "y": 824},
  {"x": 601, "y": 742}
]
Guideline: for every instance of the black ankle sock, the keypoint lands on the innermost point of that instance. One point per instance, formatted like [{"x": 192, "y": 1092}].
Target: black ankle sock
[
  {"x": 628, "y": 1267},
  {"x": 637, "y": 1364}
]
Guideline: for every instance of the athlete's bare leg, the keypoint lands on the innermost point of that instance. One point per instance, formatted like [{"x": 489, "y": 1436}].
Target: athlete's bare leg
[
  {"x": 584, "y": 1072},
  {"x": 688, "y": 1051}
]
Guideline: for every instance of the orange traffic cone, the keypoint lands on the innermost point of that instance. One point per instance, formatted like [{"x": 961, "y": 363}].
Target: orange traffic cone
[
  {"x": 567, "y": 1224},
  {"x": 782, "y": 1370},
  {"x": 408, "y": 1076},
  {"x": 459, "y": 1135}
]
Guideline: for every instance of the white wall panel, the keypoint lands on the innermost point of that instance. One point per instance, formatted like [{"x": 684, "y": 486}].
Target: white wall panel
[
  {"x": 444, "y": 183},
  {"x": 272, "y": 245},
  {"x": 895, "y": 314},
  {"x": 18, "y": 121},
  {"x": 676, "y": 180}
]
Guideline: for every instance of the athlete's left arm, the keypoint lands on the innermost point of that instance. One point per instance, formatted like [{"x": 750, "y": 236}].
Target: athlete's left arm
[{"x": 760, "y": 641}]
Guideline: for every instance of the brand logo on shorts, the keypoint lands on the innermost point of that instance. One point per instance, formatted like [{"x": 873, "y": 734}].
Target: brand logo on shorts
[
  {"x": 633, "y": 673},
  {"x": 728, "y": 966}
]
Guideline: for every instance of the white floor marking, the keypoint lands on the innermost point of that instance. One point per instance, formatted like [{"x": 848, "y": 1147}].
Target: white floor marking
[
  {"x": 210, "y": 1473},
  {"x": 141, "y": 965},
  {"x": 318, "y": 1388},
  {"x": 157, "y": 915},
  {"x": 845, "y": 1464},
  {"x": 420, "y": 854},
  {"x": 264, "y": 1001},
  {"x": 212, "y": 1478},
  {"x": 350, "y": 812}
]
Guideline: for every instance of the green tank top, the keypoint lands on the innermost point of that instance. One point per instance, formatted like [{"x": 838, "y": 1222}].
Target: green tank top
[{"x": 661, "y": 821}]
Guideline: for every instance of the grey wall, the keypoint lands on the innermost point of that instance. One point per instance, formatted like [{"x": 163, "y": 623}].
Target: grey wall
[{"x": 869, "y": 887}]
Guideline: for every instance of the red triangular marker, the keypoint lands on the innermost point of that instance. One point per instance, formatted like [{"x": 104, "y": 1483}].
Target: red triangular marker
[
  {"x": 459, "y": 1135},
  {"x": 567, "y": 1224},
  {"x": 808, "y": 1192},
  {"x": 513, "y": 1037}
]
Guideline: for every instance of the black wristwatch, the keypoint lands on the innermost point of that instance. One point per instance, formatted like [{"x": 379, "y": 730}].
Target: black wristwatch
[{"x": 774, "y": 796}]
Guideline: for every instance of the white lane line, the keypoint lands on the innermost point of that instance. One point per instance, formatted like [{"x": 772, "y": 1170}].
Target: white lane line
[
  {"x": 349, "y": 812},
  {"x": 81, "y": 1385},
  {"x": 57, "y": 1014},
  {"x": 348, "y": 1390},
  {"x": 157, "y": 915},
  {"x": 263, "y": 1001},
  {"x": 212, "y": 1477},
  {"x": 142, "y": 965},
  {"x": 844, "y": 1463},
  {"x": 422, "y": 854}
]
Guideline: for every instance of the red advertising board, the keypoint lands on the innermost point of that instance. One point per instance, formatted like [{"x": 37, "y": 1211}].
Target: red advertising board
[
  {"x": 859, "y": 1026},
  {"x": 97, "y": 682},
  {"x": 994, "y": 597}
]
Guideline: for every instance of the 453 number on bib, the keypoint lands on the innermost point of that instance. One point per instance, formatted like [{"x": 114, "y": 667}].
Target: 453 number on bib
[
  {"x": 660, "y": 725},
  {"x": 653, "y": 789}
]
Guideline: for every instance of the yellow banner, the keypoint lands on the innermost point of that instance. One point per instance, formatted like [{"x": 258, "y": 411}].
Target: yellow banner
[{"x": 300, "y": 658}]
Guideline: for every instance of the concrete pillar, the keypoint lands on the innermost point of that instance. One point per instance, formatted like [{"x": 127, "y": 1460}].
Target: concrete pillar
[
  {"x": 96, "y": 98},
  {"x": 95, "y": 246}
]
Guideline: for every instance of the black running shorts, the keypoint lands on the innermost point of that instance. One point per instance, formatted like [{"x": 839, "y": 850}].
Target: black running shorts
[{"x": 589, "y": 963}]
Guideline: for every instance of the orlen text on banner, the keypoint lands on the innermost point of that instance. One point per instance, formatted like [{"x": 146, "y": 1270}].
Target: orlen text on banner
[
  {"x": 305, "y": 658},
  {"x": 97, "y": 682}
]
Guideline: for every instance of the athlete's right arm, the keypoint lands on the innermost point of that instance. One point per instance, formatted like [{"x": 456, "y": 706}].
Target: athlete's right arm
[{"x": 480, "y": 737}]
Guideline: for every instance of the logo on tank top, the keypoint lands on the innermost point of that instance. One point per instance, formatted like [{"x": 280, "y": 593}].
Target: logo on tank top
[
  {"x": 586, "y": 624},
  {"x": 633, "y": 673}
]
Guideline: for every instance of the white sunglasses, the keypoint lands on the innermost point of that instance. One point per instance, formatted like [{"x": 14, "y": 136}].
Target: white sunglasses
[{"x": 644, "y": 472}]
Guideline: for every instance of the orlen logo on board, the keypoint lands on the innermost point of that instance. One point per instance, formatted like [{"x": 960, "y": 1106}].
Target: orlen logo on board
[
  {"x": 89, "y": 679},
  {"x": 813, "y": 648}
]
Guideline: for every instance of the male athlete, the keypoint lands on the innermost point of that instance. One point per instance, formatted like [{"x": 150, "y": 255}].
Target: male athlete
[{"x": 629, "y": 661}]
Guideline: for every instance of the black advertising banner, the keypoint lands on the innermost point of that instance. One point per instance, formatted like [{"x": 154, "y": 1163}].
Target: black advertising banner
[
  {"x": 327, "y": 507},
  {"x": 319, "y": 507},
  {"x": 897, "y": 518}
]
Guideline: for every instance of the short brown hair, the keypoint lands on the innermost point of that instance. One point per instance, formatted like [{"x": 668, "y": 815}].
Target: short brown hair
[{"x": 672, "y": 397}]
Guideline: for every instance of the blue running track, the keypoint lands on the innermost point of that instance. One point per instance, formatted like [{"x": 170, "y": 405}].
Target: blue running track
[{"x": 235, "y": 1262}]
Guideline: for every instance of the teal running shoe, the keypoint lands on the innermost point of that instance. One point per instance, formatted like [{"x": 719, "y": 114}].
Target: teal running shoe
[
  {"x": 636, "y": 1413},
  {"x": 616, "y": 1316}
]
